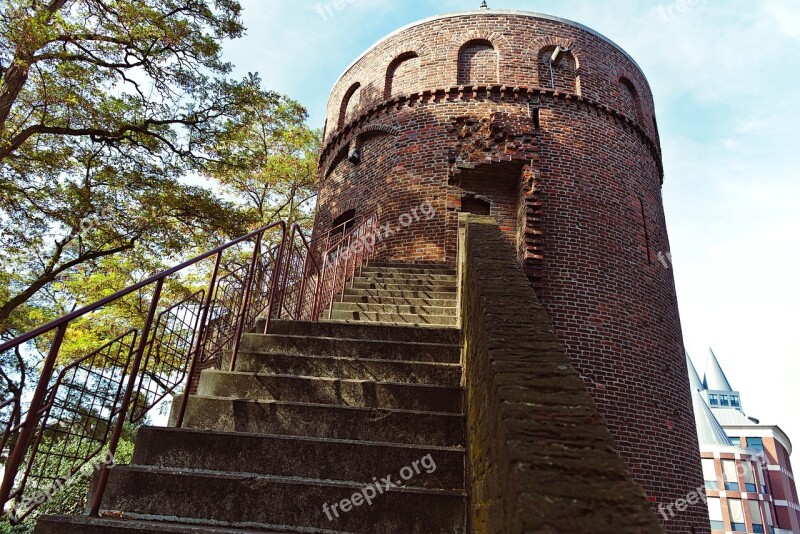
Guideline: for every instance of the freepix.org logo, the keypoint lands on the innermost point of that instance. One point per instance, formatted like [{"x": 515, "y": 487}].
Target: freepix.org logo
[{"x": 370, "y": 492}]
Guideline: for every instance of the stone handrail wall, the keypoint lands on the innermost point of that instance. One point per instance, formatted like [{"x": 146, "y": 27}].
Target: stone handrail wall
[{"x": 540, "y": 458}]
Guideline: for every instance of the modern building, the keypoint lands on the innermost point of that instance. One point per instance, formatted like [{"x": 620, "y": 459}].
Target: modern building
[{"x": 749, "y": 482}]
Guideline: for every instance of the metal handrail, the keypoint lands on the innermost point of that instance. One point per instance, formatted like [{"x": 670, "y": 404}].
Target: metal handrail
[
  {"x": 338, "y": 270},
  {"x": 178, "y": 339}
]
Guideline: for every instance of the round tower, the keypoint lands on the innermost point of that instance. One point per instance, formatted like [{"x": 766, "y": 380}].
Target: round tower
[{"x": 549, "y": 127}]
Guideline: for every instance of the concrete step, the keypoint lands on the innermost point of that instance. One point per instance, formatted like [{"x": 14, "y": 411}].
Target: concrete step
[
  {"x": 233, "y": 500},
  {"x": 442, "y": 336},
  {"x": 350, "y": 348},
  {"x": 403, "y": 309},
  {"x": 401, "y": 301},
  {"x": 406, "y": 277},
  {"x": 402, "y": 293},
  {"x": 369, "y": 283},
  {"x": 406, "y": 372},
  {"x": 78, "y": 524},
  {"x": 386, "y": 318},
  {"x": 410, "y": 267},
  {"x": 324, "y": 421},
  {"x": 318, "y": 390},
  {"x": 324, "y": 459}
]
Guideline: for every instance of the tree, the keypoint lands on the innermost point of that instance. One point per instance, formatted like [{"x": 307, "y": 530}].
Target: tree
[
  {"x": 105, "y": 108},
  {"x": 267, "y": 160},
  {"x": 108, "y": 110}
]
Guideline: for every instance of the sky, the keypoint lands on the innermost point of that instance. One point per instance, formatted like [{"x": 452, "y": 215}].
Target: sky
[{"x": 725, "y": 77}]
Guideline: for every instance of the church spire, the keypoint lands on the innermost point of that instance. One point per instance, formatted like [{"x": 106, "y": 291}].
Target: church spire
[
  {"x": 694, "y": 379},
  {"x": 715, "y": 379}
]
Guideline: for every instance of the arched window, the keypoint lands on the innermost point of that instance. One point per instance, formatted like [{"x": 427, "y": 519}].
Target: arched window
[
  {"x": 560, "y": 75},
  {"x": 475, "y": 205},
  {"x": 350, "y": 104},
  {"x": 402, "y": 74},
  {"x": 629, "y": 101},
  {"x": 477, "y": 63}
]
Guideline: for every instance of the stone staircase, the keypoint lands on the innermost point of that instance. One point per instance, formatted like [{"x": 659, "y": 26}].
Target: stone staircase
[
  {"x": 308, "y": 428},
  {"x": 386, "y": 293}
]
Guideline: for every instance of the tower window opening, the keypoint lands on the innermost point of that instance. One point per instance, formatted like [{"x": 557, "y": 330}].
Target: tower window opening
[
  {"x": 475, "y": 205},
  {"x": 723, "y": 400},
  {"x": 713, "y": 399},
  {"x": 477, "y": 63},
  {"x": 343, "y": 223}
]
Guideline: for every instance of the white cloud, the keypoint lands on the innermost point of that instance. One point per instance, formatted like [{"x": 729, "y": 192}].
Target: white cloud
[{"x": 786, "y": 14}]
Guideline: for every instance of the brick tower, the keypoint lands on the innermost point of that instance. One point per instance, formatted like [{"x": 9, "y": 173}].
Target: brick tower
[{"x": 549, "y": 127}]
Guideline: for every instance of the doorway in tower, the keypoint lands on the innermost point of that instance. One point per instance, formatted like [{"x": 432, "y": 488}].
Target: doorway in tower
[{"x": 495, "y": 189}]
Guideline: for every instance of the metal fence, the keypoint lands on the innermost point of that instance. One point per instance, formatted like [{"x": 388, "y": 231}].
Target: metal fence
[{"x": 80, "y": 404}]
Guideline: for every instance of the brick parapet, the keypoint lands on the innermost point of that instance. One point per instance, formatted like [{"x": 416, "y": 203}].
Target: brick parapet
[{"x": 370, "y": 120}]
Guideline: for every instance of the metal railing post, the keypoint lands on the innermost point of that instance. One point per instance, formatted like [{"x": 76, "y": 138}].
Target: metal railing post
[
  {"x": 245, "y": 306},
  {"x": 200, "y": 341},
  {"x": 102, "y": 480},
  {"x": 17, "y": 456},
  {"x": 275, "y": 278}
]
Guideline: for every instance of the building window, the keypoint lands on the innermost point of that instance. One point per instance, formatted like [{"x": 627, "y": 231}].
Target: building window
[
  {"x": 723, "y": 400},
  {"x": 340, "y": 226},
  {"x": 760, "y": 475},
  {"x": 749, "y": 477},
  {"x": 630, "y": 101},
  {"x": 561, "y": 76},
  {"x": 768, "y": 518},
  {"x": 713, "y": 400},
  {"x": 715, "y": 513},
  {"x": 735, "y": 401},
  {"x": 755, "y": 443},
  {"x": 710, "y": 473},
  {"x": 730, "y": 475},
  {"x": 737, "y": 515},
  {"x": 755, "y": 517}
]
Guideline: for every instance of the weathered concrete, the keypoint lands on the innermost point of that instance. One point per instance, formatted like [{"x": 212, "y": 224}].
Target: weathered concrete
[
  {"x": 246, "y": 500},
  {"x": 93, "y": 525},
  {"x": 350, "y": 348},
  {"x": 305, "y": 457},
  {"x": 388, "y": 317},
  {"x": 314, "y": 413},
  {"x": 324, "y": 421},
  {"x": 411, "y": 334},
  {"x": 333, "y": 391},
  {"x": 411, "y": 372}
]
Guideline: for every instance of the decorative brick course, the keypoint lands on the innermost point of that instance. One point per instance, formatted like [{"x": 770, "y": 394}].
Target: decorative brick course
[{"x": 574, "y": 175}]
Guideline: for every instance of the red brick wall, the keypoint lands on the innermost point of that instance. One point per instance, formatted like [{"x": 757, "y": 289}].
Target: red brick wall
[
  {"x": 585, "y": 169},
  {"x": 477, "y": 63}
]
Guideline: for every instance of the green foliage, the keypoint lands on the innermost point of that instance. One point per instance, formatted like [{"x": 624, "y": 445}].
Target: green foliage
[
  {"x": 267, "y": 160},
  {"x": 72, "y": 497},
  {"x": 110, "y": 111}
]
